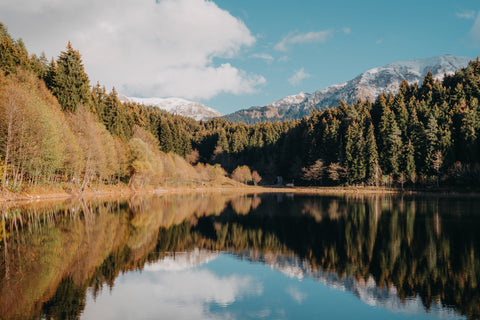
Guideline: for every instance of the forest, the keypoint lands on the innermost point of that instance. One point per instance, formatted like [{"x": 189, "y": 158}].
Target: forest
[{"x": 58, "y": 129}]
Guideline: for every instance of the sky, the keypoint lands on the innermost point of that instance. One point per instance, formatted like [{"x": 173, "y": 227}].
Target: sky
[{"x": 230, "y": 54}]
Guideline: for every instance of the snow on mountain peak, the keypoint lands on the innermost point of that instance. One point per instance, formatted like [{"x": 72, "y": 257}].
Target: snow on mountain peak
[
  {"x": 414, "y": 70},
  {"x": 367, "y": 85},
  {"x": 182, "y": 261},
  {"x": 291, "y": 100},
  {"x": 371, "y": 83},
  {"x": 177, "y": 106}
]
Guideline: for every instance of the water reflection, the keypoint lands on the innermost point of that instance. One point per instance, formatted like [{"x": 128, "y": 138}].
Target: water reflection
[
  {"x": 402, "y": 254},
  {"x": 172, "y": 289}
]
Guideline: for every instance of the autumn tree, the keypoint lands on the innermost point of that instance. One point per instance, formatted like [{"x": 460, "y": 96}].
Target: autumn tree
[
  {"x": 256, "y": 178},
  {"x": 242, "y": 174},
  {"x": 314, "y": 172},
  {"x": 336, "y": 172}
]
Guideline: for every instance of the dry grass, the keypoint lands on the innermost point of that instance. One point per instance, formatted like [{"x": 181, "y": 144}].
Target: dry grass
[{"x": 217, "y": 185}]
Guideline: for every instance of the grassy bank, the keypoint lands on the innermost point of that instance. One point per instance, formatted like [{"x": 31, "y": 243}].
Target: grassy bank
[{"x": 124, "y": 191}]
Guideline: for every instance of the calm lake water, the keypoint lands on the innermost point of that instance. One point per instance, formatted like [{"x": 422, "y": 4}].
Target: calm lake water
[{"x": 275, "y": 256}]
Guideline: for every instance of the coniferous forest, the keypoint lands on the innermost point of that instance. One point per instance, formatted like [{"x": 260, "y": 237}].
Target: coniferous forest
[{"x": 58, "y": 128}]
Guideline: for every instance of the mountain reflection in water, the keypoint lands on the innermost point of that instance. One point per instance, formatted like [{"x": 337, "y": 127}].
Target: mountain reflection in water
[{"x": 406, "y": 255}]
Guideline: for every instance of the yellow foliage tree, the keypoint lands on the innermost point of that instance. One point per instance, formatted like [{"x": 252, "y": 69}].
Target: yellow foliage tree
[{"x": 242, "y": 174}]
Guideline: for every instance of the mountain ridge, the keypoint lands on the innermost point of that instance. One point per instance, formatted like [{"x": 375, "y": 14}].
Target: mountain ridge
[
  {"x": 368, "y": 84},
  {"x": 177, "y": 106}
]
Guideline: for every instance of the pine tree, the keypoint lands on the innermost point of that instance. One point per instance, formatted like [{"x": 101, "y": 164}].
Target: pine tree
[
  {"x": 114, "y": 116},
  {"x": 99, "y": 98},
  {"x": 354, "y": 153},
  {"x": 50, "y": 74},
  {"x": 371, "y": 152},
  {"x": 416, "y": 135},
  {"x": 222, "y": 140},
  {"x": 426, "y": 90},
  {"x": 166, "y": 138},
  {"x": 409, "y": 160},
  {"x": 391, "y": 146},
  {"x": 8, "y": 55},
  {"x": 401, "y": 113},
  {"x": 437, "y": 162},
  {"x": 70, "y": 82},
  {"x": 431, "y": 142}
]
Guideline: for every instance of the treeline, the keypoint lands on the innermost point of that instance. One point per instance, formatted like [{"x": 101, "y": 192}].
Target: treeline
[
  {"x": 56, "y": 128},
  {"x": 427, "y": 135},
  {"x": 424, "y": 135}
]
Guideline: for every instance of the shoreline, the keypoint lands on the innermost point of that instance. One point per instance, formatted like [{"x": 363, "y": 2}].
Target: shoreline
[{"x": 125, "y": 191}]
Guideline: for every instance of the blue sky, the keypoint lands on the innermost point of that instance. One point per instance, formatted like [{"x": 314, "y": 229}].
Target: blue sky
[
  {"x": 231, "y": 54},
  {"x": 226, "y": 287},
  {"x": 362, "y": 35}
]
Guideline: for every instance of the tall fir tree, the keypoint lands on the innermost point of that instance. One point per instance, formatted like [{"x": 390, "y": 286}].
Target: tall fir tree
[
  {"x": 431, "y": 143},
  {"x": 70, "y": 83},
  {"x": 391, "y": 143},
  {"x": 166, "y": 137},
  {"x": 371, "y": 152},
  {"x": 409, "y": 160},
  {"x": 354, "y": 153}
]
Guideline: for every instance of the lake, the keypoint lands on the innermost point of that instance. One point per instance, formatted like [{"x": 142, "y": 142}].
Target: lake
[{"x": 234, "y": 256}]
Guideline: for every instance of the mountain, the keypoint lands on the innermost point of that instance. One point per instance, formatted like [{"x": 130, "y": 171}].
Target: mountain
[
  {"x": 369, "y": 85},
  {"x": 365, "y": 289},
  {"x": 178, "y": 106},
  {"x": 182, "y": 261}
]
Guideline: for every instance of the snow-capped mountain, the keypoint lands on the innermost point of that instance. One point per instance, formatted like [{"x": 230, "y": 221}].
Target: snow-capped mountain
[
  {"x": 369, "y": 85},
  {"x": 367, "y": 290},
  {"x": 182, "y": 261},
  {"x": 291, "y": 100},
  {"x": 177, "y": 106}
]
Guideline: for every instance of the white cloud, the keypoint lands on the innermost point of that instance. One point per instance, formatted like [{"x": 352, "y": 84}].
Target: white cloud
[
  {"x": 144, "y": 48},
  {"x": 347, "y": 30},
  {"x": 469, "y": 14},
  {"x": 309, "y": 37},
  {"x": 171, "y": 295},
  {"x": 283, "y": 59},
  {"x": 264, "y": 56},
  {"x": 298, "y": 77},
  {"x": 475, "y": 31},
  {"x": 296, "y": 294}
]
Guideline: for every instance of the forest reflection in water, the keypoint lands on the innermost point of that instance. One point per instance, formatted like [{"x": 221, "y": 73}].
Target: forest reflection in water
[{"x": 385, "y": 247}]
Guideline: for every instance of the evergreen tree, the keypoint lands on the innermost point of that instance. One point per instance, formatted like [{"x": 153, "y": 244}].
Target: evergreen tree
[
  {"x": 416, "y": 136},
  {"x": 70, "y": 83},
  {"x": 391, "y": 146},
  {"x": 401, "y": 113},
  {"x": 371, "y": 152},
  {"x": 354, "y": 153},
  {"x": 8, "y": 55},
  {"x": 223, "y": 141},
  {"x": 431, "y": 142},
  {"x": 409, "y": 160},
  {"x": 114, "y": 116},
  {"x": 166, "y": 138},
  {"x": 426, "y": 90}
]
